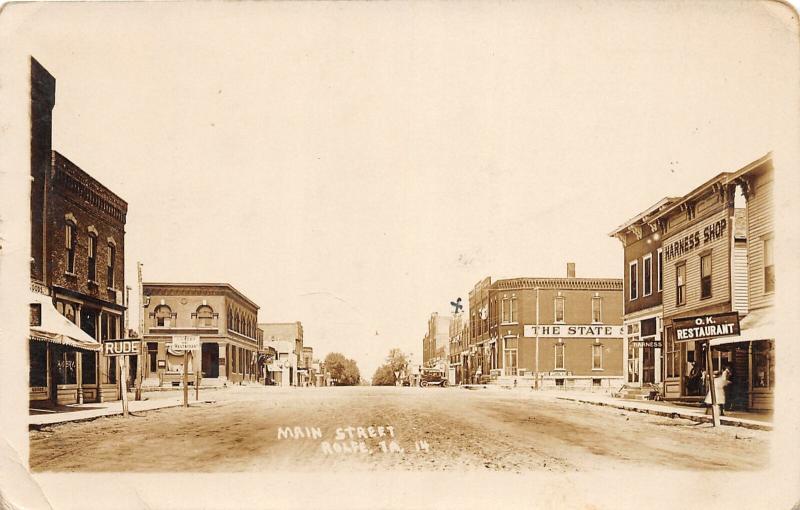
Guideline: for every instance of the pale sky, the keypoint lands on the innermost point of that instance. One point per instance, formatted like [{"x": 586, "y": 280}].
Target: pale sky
[{"x": 357, "y": 166}]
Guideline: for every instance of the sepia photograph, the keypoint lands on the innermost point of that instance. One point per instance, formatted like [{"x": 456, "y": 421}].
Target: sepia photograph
[{"x": 399, "y": 254}]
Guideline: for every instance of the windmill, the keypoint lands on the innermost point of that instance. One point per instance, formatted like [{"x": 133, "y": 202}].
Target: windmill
[{"x": 457, "y": 306}]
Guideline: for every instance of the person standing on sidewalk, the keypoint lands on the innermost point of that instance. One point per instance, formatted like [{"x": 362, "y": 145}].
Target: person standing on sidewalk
[{"x": 721, "y": 381}]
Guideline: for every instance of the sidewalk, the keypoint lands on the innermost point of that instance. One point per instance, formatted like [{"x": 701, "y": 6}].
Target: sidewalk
[
  {"x": 83, "y": 412},
  {"x": 756, "y": 421}
]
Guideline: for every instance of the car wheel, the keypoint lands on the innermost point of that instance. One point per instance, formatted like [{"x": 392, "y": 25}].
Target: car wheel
[
  {"x": 423, "y": 383},
  {"x": 444, "y": 384}
]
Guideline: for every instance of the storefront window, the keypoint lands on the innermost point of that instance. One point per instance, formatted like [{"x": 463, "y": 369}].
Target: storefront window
[
  {"x": 763, "y": 364},
  {"x": 88, "y": 368},
  {"x": 672, "y": 355},
  {"x": 66, "y": 367},
  {"x": 38, "y": 364}
]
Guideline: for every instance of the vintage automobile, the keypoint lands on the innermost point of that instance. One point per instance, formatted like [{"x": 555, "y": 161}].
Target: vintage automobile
[{"x": 433, "y": 377}]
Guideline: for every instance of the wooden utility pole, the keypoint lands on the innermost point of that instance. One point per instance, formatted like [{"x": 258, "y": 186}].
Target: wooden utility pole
[
  {"x": 142, "y": 357},
  {"x": 123, "y": 368},
  {"x": 197, "y": 376},
  {"x": 185, "y": 378},
  {"x": 712, "y": 389}
]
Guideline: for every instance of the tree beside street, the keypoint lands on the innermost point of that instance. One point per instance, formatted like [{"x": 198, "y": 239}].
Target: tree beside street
[
  {"x": 343, "y": 370},
  {"x": 395, "y": 368}
]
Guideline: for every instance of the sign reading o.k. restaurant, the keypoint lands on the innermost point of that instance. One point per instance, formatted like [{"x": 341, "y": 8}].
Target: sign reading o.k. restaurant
[
  {"x": 122, "y": 347},
  {"x": 573, "y": 331},
  {"x": 705, "y": 327}
]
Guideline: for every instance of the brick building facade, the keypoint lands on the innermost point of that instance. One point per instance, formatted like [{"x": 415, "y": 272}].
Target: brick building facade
[
  {"x": 77, "y": 262},
  {"x": 225, "y": 320},
  {"x": 548, "y": 331}
]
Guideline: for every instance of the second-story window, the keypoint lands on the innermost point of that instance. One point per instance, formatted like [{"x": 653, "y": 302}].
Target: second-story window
[
  {"x": 769, "y": 266},
  {"x": 163, "y": 316},
  {"x": 680, "y": 284},
  {"x": 597, "y": 309},
  {"x": 559, "y": 309},
  {"x": 660, "y": 270},
  {"x": 633, "y": 280},
  {"x": 647, "y": 275},
  {"x": 69, "y": 238},
  {"x": 92, "y": 257},
  {"x": 705, "y": 276},
  {"x": 205, "y": 316},
  {"x": 110, "y": 262}
]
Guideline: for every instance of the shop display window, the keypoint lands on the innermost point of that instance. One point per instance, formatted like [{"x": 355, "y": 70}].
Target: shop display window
[{"x": 763, "y": 364}]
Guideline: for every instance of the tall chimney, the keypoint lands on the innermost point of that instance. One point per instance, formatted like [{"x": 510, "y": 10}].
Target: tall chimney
[{"x": 570, "y": 270}]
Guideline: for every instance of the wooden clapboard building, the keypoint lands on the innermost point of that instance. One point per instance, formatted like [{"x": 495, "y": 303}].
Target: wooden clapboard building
[{"x": 717, "y": 257}]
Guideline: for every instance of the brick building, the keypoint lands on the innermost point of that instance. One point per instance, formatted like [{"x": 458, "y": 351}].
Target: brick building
[
  {"x": 459, "y": 348},
  {"x": 436, "y": 342},
  {"x": 225, "y": 320},
  {"x": 77, "y": 268},
  {"x": 554, "y": 332},
  {"x": 643, "y": 284}
]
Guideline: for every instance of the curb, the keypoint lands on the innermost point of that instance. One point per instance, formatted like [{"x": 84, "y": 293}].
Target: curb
[
  {"x": 40, "y": 426},
  {"x": 676, "y": 414}
]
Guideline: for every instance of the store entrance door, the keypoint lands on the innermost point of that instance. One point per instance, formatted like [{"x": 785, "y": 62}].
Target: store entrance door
[{"x": 648, "y": 365}]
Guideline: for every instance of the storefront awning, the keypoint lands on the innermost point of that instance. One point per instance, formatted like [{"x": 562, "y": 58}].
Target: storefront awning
[
  {"x": 57, "y": 329},
  {"x": 756, "y": 325}
]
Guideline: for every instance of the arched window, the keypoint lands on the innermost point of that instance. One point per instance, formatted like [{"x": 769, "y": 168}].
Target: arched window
[
  {"x": 70, "y": 242},
  {"x": 230, "y": 318},
  {"x": 92, "y": 257},
  {"x": 205, "y": 316},
  {"x": 164, "y": 316}
]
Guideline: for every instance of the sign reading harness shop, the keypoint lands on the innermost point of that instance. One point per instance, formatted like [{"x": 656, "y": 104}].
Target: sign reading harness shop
[
  {"x": 706, "y": 326},
  {"x": 573, "y": 330},
  {"x": 122, "y": 347}
]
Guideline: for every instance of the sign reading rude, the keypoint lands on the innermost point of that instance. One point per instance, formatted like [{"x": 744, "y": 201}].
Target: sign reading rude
[
  {"x": 706, "y": 326},
  {"x": 122, "y": 347}
]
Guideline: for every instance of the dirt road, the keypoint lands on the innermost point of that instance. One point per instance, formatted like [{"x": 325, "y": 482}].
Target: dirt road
[{"x": 353, "y": 429}]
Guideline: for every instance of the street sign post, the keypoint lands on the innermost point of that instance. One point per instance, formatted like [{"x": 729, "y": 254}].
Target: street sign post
[
  {"x": 187, "y": 343},
  {"x": 122, "y": 348},
  {"x": 704, "y": 328}
]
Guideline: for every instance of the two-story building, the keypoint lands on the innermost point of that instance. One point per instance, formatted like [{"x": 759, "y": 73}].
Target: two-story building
[
  {"x": 553, "y": 332},
  {"x": 77, "y": 268},
  {"x": 225, "y": 320},
  {"x": 643, "y": 285},
  {"x": 704, "y": 252},
  {"x": 286, "y": 338}
]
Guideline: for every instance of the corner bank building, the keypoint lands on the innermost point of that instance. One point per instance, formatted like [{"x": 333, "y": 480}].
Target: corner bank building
[{"x": 77, "y": 269}]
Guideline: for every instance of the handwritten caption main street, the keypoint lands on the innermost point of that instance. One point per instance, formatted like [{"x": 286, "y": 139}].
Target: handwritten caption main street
[{"x": 354, "y": 440}]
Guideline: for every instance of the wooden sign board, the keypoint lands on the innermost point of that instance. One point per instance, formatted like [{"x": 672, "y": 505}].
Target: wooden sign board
[
  {"x": 122, "y": 347},
  {"x": 185, "y": 342},
  {"x": 705, "y": 327}
]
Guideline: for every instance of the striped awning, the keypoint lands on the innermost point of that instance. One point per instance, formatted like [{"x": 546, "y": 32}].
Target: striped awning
[{"x": 57, "y": 329}]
